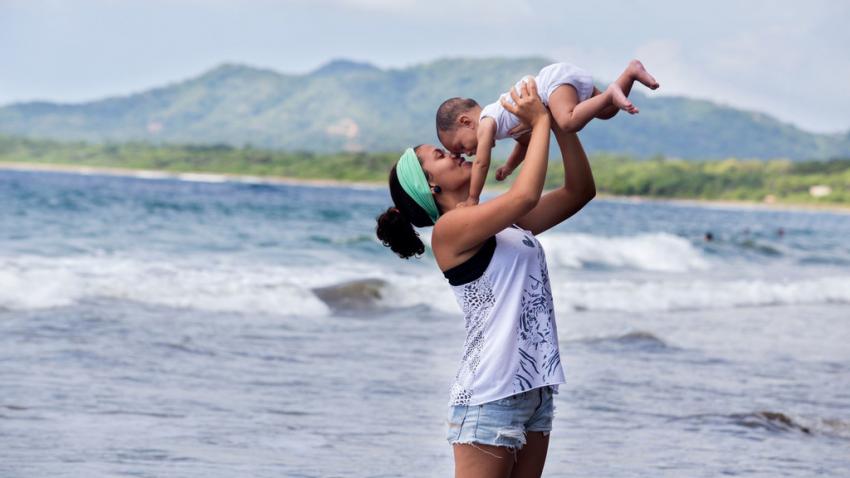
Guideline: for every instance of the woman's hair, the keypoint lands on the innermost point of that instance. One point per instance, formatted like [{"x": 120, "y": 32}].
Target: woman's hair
[{"x": 395, "y": 225}]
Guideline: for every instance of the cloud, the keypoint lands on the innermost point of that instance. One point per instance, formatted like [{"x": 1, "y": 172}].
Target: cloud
[
  {"x": 786, "y": 58},
  {"x": 768, "y": 69},
  {"x": 391, "y": 6},
  {"x": 460, "y": 14}
]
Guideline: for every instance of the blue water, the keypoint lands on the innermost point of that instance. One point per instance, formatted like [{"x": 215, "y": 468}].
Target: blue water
[{"x": 179, "y": 328}]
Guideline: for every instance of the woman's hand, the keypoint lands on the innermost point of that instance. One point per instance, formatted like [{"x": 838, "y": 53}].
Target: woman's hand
[{"x": 527, "y": 105}]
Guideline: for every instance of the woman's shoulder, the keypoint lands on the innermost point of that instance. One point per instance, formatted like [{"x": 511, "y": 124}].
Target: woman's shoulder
[
  {"x": 444, "y": 254},
  {"x": 439, "y": 246}
]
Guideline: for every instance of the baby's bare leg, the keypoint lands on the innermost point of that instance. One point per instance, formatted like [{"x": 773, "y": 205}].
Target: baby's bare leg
[
  {"x": 571, "y": 115},
  {"x": 634, "y": 72},
  {"x": 640, "y": 74},
  {"x": 625, "y": 82},
  {"x": 609, "y": 111}
]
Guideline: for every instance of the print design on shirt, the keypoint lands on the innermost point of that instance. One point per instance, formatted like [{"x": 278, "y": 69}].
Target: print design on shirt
[
  {"x": 478, "y": 299},
  {"x": 538, "y": 350}
]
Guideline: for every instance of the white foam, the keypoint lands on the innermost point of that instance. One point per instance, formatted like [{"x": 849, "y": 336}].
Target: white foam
[
  {"x": 29, "y": 282},
  {"x": 202, "y": 177},
  {"x": 147, "y": 174},
  {"x": 427, "y": 288},
  {"x": 225, "y": 284},
  {"x": 664, "y": 295},
  {"x": 650, "y": 252},
  {"x": 32, "y": 288},
  {"x": 215, "y": 284},
  {"x": 641, "y": 294}
]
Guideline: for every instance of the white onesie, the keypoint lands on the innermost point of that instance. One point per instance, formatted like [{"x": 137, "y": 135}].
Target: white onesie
[{"x": 549, "y": 78}]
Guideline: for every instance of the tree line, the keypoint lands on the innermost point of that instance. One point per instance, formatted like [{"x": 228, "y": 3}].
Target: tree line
[{"x": 778, "y": 180}]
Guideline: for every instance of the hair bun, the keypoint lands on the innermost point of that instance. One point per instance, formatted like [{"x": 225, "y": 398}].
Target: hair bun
[{"x": 395, "y": 231}]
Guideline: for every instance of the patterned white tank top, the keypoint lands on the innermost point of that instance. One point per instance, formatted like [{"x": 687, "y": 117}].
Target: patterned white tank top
[{"x": 511, "y": 338}]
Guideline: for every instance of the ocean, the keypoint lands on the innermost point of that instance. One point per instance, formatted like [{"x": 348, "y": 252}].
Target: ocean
[{"x": 167, "y": 327}]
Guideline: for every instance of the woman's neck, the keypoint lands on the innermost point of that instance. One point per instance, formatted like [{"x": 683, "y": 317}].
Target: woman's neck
[{"x": 449, "y": 200}]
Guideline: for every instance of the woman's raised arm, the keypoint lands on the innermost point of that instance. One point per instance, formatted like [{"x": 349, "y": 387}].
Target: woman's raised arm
[{"x": 578, "y": 189}]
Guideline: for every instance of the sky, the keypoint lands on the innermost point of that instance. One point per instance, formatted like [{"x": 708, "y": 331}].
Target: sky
[{"x": 789, "y": 59}]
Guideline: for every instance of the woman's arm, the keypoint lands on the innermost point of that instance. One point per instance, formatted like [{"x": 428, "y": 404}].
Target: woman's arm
[
  {"x": 463, "y": 229},
  {"x": 578, "y": 189}
]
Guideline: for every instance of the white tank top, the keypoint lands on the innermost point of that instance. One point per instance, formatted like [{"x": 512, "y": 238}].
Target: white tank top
[{"x": 511, "y": 339}]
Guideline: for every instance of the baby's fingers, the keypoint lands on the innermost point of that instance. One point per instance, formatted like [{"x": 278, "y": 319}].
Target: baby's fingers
[
  {"x": 523, "y": 89},
  {"x": 531, "y": 87},
  {"x": 508, "y": 105}
]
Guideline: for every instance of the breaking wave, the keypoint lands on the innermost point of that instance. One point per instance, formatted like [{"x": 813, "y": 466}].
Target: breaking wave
[
  {"x": 30, "y": 282},
  {"x": 650, "y": 252},
  {"x": 663, "y": 295}
]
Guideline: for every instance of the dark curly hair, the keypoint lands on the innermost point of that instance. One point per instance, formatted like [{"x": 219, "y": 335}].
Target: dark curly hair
[{"x": 395, "y": 225}]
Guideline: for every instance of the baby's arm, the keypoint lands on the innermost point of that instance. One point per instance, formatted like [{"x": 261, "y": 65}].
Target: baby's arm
[
  {"x": 516, "y": 157},
  {"x": 481, "y": 164}
]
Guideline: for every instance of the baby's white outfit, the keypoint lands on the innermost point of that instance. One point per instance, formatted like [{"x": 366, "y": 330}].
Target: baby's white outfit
[{"x": 549, "y": 79}]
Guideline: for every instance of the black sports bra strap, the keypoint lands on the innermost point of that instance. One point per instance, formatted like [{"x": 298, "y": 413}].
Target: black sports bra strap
[{"x": 474, "y": 267}]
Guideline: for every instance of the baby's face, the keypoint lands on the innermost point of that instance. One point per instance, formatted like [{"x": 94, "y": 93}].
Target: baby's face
[{"x": 462, "y": 140}]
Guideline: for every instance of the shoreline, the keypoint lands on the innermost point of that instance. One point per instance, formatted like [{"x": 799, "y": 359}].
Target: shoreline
[
  {"x": 289, "y": 181},
  {"x": 733, "y": 204},
  {"x": 182, "y": 176}
]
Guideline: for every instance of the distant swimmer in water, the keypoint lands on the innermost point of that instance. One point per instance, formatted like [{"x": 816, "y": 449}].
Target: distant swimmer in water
[{"x": 709, "y": 236}]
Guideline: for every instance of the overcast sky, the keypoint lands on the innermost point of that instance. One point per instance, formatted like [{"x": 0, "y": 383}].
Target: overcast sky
[{"x": 790, "y": 59}]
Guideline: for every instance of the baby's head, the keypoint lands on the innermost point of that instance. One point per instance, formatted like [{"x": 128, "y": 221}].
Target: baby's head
[{"x": 457, "y": 125}]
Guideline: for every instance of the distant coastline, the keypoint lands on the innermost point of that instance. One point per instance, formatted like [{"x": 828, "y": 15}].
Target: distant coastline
[
  {"x": 283, "y": 180},
  {"x": 198, "y": 176}
]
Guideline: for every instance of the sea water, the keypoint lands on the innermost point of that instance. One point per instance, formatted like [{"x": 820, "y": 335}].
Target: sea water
[{"x": 159, "y": 327}]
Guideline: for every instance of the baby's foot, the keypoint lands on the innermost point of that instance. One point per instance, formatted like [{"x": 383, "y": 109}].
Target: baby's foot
[
  {"x": 640, "y": 74},
  {"x": 619, "y": 99},
  {"x": 503, "y": 172}
]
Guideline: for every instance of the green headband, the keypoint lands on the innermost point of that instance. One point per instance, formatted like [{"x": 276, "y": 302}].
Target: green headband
[{"x": 413, "y": 181}]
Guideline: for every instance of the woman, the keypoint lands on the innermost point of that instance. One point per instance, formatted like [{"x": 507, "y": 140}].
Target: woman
[{"x": 501, "y": 402}]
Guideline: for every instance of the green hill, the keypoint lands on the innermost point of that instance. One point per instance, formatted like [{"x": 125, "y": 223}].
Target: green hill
[{"x": 348, "y": 106}]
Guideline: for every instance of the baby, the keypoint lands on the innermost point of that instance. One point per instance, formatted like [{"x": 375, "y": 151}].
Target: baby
[{"x": 464, "y": 127}]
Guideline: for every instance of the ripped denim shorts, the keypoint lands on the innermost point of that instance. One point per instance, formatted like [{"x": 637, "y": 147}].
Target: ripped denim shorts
[{"x": 503, "y": 422}]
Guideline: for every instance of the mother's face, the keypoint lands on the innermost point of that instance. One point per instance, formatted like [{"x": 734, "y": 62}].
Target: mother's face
[{"x": 443, "y": 169}]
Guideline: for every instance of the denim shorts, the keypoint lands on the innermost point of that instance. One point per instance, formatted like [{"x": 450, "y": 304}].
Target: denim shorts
[{"x": 503, "y": 422}]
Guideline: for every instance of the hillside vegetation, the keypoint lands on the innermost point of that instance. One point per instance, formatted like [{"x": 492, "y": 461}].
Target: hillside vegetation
[
  {"x": 659, "y": 177},
  {"x": 347, "y": 106}
]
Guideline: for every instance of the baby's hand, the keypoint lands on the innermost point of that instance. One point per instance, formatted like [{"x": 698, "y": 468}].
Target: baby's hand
[
  {"x": 469, "y": 202},
  {"x": 503, "y": 172},
  {"x": 526, "y": 105}
]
